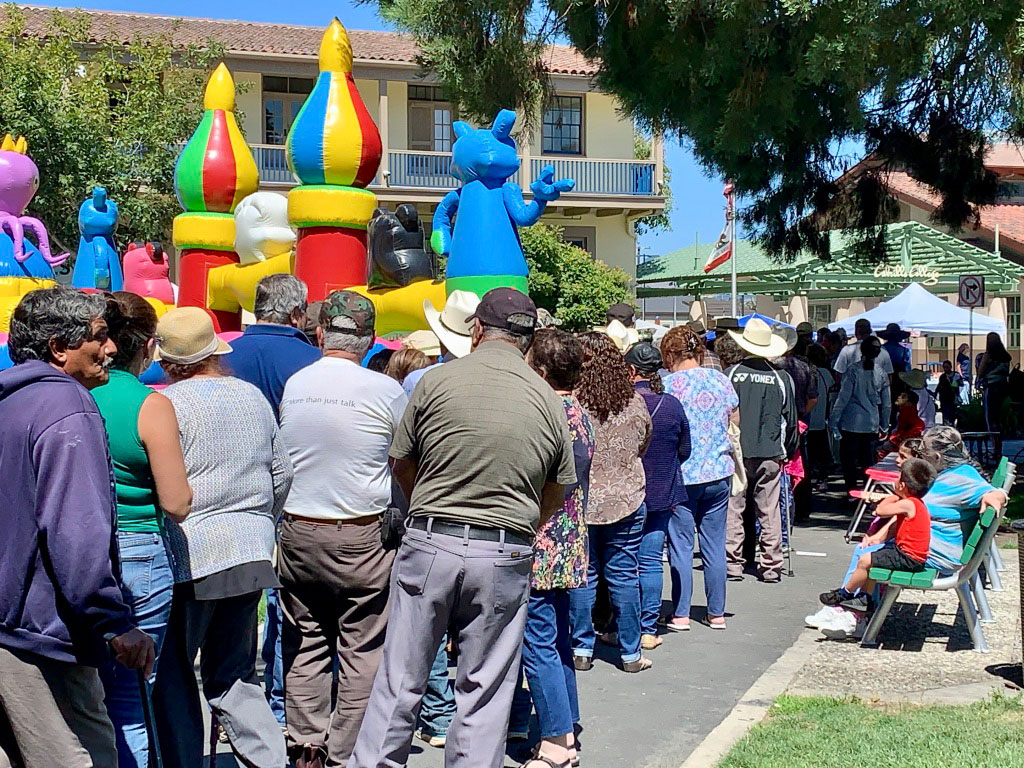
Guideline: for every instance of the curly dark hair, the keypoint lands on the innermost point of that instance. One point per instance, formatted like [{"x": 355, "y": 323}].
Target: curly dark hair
[
  {"x": 557, "y": 356},
  {"x": 679, "y": 344},
  {"x": 605, "y": 386},
  {"x": 729, "y": 352}
]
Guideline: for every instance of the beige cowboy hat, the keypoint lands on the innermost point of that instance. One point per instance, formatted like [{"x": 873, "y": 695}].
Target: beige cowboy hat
[
  {"x": 425, "y": 341},
  {"x": 185, "y": 336},
  {"x": 623, "y": 337},
  {"x": 452, "y": 325},
  {"x": 757, "y": 339}
]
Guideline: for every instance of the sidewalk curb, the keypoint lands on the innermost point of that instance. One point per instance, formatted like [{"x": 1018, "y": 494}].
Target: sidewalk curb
[{"x": 753, "y": 705}]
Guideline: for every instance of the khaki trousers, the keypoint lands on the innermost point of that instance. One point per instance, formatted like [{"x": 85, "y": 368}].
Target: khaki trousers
[
  {"x": 55, "y": 713},
  {"x": 761, "y": 500},
  {"x": 335, "y": 586}
]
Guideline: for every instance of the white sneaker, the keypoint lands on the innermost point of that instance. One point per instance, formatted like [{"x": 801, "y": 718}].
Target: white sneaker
[
  {"x": 847, "y": 624},
  {"x": 822, "y": 617}
]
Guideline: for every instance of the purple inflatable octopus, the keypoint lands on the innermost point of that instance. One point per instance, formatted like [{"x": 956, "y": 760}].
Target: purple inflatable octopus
[{"x": 19, "y": 180}]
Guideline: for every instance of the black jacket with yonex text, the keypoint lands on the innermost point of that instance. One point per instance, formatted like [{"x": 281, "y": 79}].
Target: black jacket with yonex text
[{"x": 768, "y": 417}]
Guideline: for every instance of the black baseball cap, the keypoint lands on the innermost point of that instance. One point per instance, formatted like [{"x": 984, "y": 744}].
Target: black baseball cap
[
  {"x": 624, "y": 313},
  {"x": 508, "y": 309}
]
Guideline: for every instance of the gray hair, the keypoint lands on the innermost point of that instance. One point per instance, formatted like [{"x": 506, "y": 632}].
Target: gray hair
[
  {"x": 347, "y": 342},
  {"x": 946, "y": 446},
  {"x": 52, "y": 314},
  {"x": 278, "y": 297},
  {"x": 519, "y": 341}
]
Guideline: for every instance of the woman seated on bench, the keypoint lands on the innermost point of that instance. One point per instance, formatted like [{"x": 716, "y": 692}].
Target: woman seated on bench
[{"x": 955, "y": 501}]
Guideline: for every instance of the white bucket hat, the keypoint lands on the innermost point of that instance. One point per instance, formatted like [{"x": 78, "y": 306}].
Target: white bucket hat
[
  {"x": 757, "y": 339},
  {"x": 452, "y": 324}
]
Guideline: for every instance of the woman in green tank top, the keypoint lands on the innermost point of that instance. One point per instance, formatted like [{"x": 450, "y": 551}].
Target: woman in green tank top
[{"x": 149, "y": 475}]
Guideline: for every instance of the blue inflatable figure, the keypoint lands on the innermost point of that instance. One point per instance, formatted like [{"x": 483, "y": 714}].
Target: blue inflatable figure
[
  {"x": 97, "y": 264},
  {"x": 484, "y": 251}
]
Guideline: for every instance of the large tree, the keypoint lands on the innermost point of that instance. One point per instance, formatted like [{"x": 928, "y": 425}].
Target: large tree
[
  {"x": 774, "y": 93},
  {"x": 106, "y": 115}
]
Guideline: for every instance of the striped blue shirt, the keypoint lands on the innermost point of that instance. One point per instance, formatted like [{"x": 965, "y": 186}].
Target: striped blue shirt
[{"x": 954, "y": 503}]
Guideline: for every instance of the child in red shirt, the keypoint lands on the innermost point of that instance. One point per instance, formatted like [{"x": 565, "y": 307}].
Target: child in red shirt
[
  {"x": 908, "y": 423},
  {"x": 907, "y": 536}
]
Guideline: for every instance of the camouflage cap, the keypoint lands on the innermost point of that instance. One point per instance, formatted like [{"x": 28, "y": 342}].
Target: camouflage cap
[{"x": 347, "y": 312}]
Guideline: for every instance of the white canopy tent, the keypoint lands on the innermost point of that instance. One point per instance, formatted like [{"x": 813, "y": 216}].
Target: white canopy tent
[{"x": 915, "y": 309}]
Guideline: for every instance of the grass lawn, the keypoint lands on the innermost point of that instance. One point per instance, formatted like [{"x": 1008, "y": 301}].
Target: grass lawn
[{"x": 846, "y": 733}]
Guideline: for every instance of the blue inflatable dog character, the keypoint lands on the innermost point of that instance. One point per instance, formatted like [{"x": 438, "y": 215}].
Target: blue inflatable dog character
[
  {"x": 97, "y": 264},
  {"x": 484, "y": 250}
]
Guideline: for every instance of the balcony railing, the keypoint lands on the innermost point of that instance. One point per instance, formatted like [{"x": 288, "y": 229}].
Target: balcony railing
[{"x": 432, "y": 171}]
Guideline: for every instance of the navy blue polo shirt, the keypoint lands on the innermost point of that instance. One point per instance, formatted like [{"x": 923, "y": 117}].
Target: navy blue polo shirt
[{"x": 267, "y": 354}]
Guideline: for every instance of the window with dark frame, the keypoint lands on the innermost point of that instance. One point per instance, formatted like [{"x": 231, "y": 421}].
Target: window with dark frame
[
  {"x": 430, "y": 117},
  {"x": 1013, "y": 321},
  {"x": 283, "y": 97},
  {"x": 562, "y": 128}
]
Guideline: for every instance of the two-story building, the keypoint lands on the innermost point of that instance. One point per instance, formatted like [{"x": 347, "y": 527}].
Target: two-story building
[{"x": 580, "y": 131}]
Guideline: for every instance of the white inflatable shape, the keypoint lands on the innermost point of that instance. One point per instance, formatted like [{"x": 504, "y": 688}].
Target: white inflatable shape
[{"x": 261, "y": 227}]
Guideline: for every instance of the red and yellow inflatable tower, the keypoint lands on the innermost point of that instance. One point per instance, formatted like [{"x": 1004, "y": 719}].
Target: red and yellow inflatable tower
[
  {"x": 214, "y": 172},
  {"x": 334, "y": 149}
]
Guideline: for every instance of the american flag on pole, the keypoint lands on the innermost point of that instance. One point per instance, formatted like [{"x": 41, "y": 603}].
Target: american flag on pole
[{"x": 723, "y": 248}]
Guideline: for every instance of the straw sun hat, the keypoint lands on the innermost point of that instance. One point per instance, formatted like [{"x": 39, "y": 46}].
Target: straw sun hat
[{"x": 186, "y": 336}]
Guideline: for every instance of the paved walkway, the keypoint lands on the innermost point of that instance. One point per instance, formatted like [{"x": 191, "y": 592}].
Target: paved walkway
[{"x": 657, "y": 718}]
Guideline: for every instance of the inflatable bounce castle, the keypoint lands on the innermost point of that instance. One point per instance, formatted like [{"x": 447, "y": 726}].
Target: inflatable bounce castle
[{"x": 328, "y": 231}]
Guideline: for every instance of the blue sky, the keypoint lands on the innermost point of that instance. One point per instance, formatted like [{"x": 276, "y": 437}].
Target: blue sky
[{"x": 698, "y": 199}]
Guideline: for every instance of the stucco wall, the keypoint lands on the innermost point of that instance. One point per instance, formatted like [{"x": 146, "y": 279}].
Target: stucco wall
[
  {"x": 369, "y": 92},
  {"x": 608, "y": 133},
  {"x": 398, "y": 121},
  {"x": 251, "y": 103},
  {"x": 613, "y": 244}
]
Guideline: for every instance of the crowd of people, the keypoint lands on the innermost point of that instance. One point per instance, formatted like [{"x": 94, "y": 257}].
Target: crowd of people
[{"x": 498, "y": 493}]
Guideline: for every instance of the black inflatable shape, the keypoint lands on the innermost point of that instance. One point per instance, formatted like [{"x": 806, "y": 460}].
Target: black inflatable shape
[{"x": 395, "y": 249}]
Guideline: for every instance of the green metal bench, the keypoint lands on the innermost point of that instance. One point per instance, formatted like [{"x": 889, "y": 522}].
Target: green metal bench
[{"x": 966, "y": 582}]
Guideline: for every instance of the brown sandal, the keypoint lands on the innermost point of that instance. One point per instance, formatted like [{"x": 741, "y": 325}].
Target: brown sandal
[
  {"x": 547, "y": 761},
  {"x": 637, "y": 666}
]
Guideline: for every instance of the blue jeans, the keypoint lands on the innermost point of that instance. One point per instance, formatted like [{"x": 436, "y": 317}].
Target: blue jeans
[
  {"x": 705, "y": 512},
  {"x": 547, "y": 662},
  {"x": 147, "y": 584},
  {"x": 651, "y": 569},
  {"x": 614, "y": 554},
  {"x": 273, "y": 670},
  {"x": 438, "y": 708}
]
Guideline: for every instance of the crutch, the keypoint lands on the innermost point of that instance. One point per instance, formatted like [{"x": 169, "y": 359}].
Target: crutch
[{"x": 155, "y": 761}]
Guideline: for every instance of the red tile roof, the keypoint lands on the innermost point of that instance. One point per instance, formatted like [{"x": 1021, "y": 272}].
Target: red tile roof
[
  {"x": 243, "y": 37},
  {"x": 1009, "y": 216}
]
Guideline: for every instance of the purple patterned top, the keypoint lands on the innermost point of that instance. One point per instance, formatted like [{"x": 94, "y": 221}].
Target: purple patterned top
[
  {"x": 560, "y": 549},
  {"x": 708, "y": 399}
]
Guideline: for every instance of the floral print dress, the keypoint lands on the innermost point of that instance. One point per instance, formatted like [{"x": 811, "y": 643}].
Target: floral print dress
[{"x": 560, "y": 549}]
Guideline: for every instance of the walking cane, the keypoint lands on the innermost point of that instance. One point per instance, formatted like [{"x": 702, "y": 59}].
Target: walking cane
[
  {"x": 155, "y": 761},
  {"x": 214, "y": 739}
]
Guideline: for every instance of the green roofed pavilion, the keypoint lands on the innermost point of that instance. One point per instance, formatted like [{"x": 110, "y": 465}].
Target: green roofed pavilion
[{"x": 915, "y": 252}]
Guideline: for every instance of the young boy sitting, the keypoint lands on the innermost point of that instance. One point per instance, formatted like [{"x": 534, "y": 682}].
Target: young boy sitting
[
  {"x": 908, "y": 423},
  {"x": 907, "y": 536}
]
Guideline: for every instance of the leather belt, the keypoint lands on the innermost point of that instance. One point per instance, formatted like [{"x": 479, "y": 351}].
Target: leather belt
[
  {"x": 469, "y": 531},
  {"x": 365, "y": 520}
]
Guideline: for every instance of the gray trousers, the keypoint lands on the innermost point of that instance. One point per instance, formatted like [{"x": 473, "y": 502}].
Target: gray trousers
[
  {"x": 225, "y": 631},
  {"x": 763, "y": 478},
  {"x": 55, "y": 713},
  {"x": 334, "y": 595},
  {"x": 482, "y": 588}
]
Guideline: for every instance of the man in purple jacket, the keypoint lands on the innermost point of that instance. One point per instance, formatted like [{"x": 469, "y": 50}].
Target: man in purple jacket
[{"x": 61, "y": 611}]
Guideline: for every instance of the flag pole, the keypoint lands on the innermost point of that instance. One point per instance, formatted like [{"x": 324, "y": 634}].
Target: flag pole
[{"x": 731, "y": 216}]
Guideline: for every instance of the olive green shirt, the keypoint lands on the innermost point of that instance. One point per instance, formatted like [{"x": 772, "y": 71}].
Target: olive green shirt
[{"x": 486, "y": 433}]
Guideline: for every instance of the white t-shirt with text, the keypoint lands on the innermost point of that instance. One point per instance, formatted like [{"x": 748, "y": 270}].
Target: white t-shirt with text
[{"x": 338, "y": 420}]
